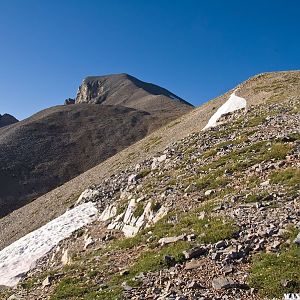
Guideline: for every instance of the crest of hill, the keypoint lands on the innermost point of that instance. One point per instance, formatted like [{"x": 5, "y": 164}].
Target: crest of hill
[
  {"x": 128, "y": 91},
  {"x": 261, "y": 89},
  {"x": 61, "y": 142},
  {"x": 7, "y": 119}
]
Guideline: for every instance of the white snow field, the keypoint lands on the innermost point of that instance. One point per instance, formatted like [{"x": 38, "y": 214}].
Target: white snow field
[
  {"x": 21, "y": 256},
  {"x": 233, "y": 103}
]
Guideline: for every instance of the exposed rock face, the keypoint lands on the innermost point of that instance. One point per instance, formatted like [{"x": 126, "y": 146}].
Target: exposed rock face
[{"x": 7, "y": 119}]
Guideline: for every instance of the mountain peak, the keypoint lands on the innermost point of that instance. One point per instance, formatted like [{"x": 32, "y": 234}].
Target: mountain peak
[
  {"x": 7, "y": 119},
  {"x": 126, "y": 90}
]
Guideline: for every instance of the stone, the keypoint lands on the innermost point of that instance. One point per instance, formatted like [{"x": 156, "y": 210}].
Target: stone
[
  {"x": 69, "y": 101},
  {"x": 216, "y": 255},
  {"x": 66, "y": 258},
  {"x": 194, "y": 285},
  {"x": 227, "y": 269},
  {"x": 220, "y": 244},
  {"x": 132, "y": 179},
  {"x": 126, "y": 287},
  {"x": 219, "y": 283},
  {"x": 169, "y": 260},
  {"x": 297, "y": 239},
  {"x": 171, "y": 239},
  {"x": 194, "y": 252},
  {"x": 87, "y": 195},
  {"x": 265, "y": 183},
  {"x": 108, "y": 213},
  {"x": 88, "y": 241},
  {"x": 209, "y": 192},
  {"x": 193, "y": 264},
  {"x": 47, "y": 281},
  {"x": 14, "y": 297},
  {"x": 202, "y": 215}
]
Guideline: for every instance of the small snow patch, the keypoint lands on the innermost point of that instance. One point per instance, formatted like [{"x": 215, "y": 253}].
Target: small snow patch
[
  {"x": 21, "y": 256},
  {"x": 233, "y": 103}
]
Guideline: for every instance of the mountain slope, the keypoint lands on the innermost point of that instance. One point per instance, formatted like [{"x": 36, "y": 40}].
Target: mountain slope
[
  {"x": 255, "y": 91},
  {"x": 59, "y": 143},
  {"x": 7, "y": 119},
  {"x": 222, "y": 207}
]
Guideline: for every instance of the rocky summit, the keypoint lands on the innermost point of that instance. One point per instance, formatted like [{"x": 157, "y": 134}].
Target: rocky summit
[
  {"x": 207, "y": 214},
  {"x": 7, "y": 119},
  {"x": 59, "y": 143}
]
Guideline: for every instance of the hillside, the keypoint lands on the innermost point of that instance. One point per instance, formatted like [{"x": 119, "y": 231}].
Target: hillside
[
  {"x": 59, "y": 143},
  {"x": 207, "y": 213},
  {"x": 7, "y": 119}
]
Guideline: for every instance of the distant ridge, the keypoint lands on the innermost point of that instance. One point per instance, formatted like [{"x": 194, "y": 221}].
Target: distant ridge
[{"x": 7, "y": 119}]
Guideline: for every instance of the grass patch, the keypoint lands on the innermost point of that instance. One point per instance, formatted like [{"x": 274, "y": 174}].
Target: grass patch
[
  {"x": 288, "y": 177},
  {"x": 277, "y": 151},
  {"x": 255, "y": 121},
  {"x": 70, "y": 288},
  {"x": 269, "y": 270},
  {"x": 139, "y": 209},
  {"x": 144, "y": 173},
  {"x": 208, "y": 230}
]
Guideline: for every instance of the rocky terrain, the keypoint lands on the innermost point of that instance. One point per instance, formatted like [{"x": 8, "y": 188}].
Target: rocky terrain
[
  {"x": 7, "y": 119},
  {"x": 212, "y": 214},
  {"x": 59, "y": 143},
  {"x": 261, "y": 89}
]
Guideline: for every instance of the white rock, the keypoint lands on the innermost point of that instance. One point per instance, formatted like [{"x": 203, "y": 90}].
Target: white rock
[
  {"x": 108, "y": 213},
  {"x": 46, "y": 282},
  {"x": 129, "y": 212},
  {"x": 88, "y": 241},
  {"x": 87, "y": 195},
  {"x": 160, "y": 214},
  {"x": 171, "y": 239},
  {"x": 66, "y": 258},
  {"x": 209, "y": 192},
  {"x": 130, "y": 230}
]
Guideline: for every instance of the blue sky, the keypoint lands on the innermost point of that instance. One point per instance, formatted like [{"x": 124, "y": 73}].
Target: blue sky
[{"x": 197, "y": 49}]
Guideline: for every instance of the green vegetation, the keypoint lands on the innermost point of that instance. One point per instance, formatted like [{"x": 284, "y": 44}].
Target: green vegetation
[
  {"x": 277, "y": 151},
  {"x": 207, "y": 230},
  {"x": 139, "y": 209},
  {"x": 270, "y": 270},
  {"x": 68, "y": 288},
  {"x": 288, "y": 177},
  {"x": 144, "y": 173},
  {"x": 256, "y": 197},
  {"x": 210, "y": 181},
  {"x": 255, "y": 121}
]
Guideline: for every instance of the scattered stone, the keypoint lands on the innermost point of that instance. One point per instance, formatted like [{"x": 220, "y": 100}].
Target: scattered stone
[
  {"x": 297, "y": 239},
  {"x": 194, "y": 252},
  {"x": 47, "y": 281},
  {"x": 209, "y": 192},
  {"x": 220, "y": 244},
  {"x": 193, "y": 264},
  {"x": 223, "y": 283},
  {"x": 171, "y": 239}
]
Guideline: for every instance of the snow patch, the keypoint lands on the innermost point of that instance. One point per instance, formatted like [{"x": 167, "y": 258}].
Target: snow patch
[
  {"x": 233, "y": 103},
  {"x": 21, "y": 256}
]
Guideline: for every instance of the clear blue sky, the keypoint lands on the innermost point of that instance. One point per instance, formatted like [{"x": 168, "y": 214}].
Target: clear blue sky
[{"x": 197, "y": 49}]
